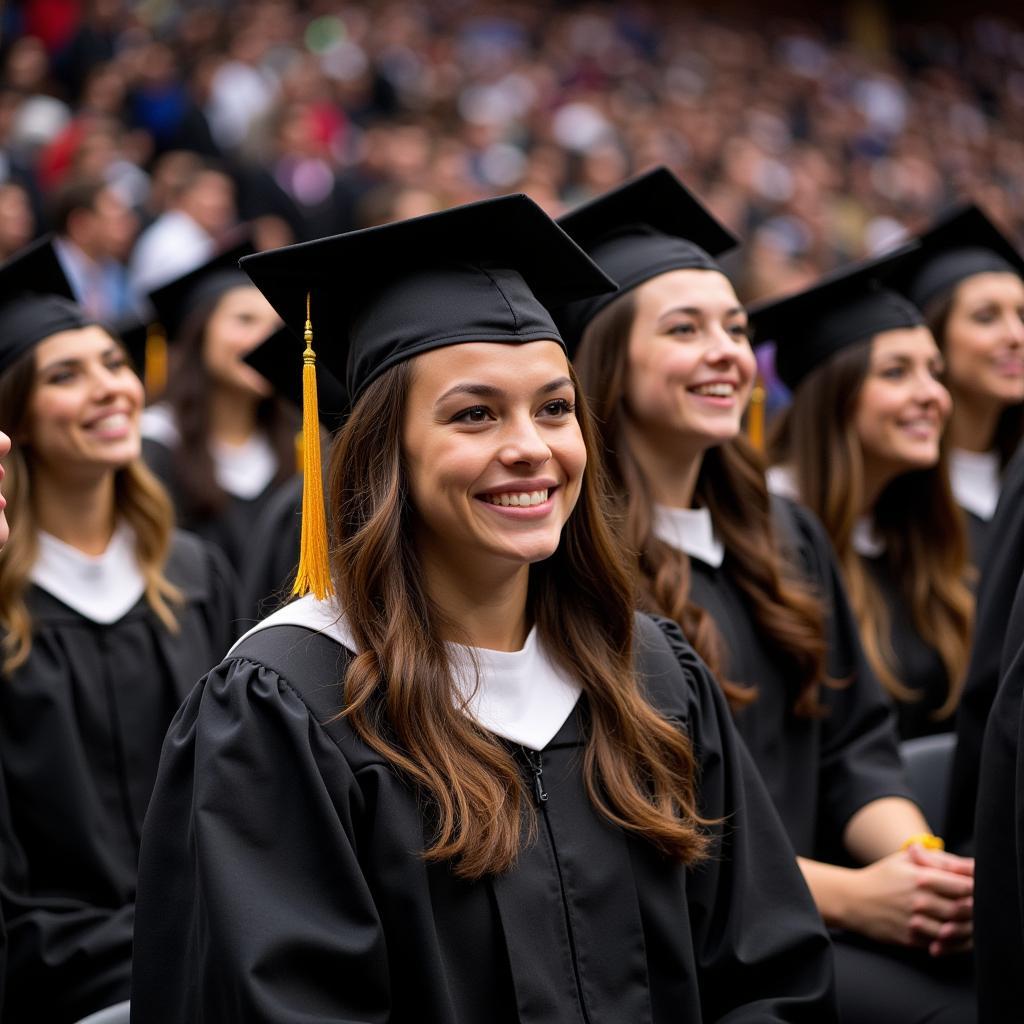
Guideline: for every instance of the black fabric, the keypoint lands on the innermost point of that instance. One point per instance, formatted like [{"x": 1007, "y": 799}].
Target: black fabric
[
  {"x": 281, "y": 879},
  {"x": 81, "y": 726},
  {"x": 819, "y": 771},
  {"x": 1001, "y": 573},
  {"x": 843, "y": 308},
  {"x": 979, "y": 536},
  {"x": 485, "y": 271},
  {"x": 269, "y": 569},
  {"x": 649, "y": 226},
  {"x": 920, "y": 667},
  {"x": 999, "y": 839}
]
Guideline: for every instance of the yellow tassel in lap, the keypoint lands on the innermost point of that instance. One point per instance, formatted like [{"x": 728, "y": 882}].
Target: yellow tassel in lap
[{"x": 314, "y": 574}]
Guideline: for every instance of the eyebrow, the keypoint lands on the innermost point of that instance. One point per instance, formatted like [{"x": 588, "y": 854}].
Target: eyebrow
[
  {"x": 697, "y": 311},
  {"x": 78, "y": 360},
  {"x": 490, "y": 391}
]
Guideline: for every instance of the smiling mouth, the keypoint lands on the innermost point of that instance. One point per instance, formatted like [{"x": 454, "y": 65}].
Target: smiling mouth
[{"x": 523, "y": 499}]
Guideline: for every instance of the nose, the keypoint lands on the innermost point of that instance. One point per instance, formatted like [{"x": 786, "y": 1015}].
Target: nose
[
  {"x": 523, "y": 443},
  {"x": 1016, "y": 329},
  {"x": 931, "y": 391}
]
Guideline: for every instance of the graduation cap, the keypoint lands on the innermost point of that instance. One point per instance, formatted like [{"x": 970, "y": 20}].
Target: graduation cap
[
  {"x": 850, "y": 305},
  {"x": 279, "y": 360},
  {"x": 485, "y": 271},
  {"x": 961, "y": 243},
  {"x": 649, "y": 226},
  {"x": 36, "y": 301}
]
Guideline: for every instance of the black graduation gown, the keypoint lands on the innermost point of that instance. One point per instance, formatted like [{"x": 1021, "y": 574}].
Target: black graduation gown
[
  {"x": 999, "y": 841},
  {"x": 1001, "y": 573},
  {"x": 921, "y": 667},
  {"x": 979, "y": 535},
  {"x": 81, "y": 726},
  {"x": 281, "y": 876},
  {"x": 231, "y": 529},
  {"x": 274, "y": 552},
  {"x": 819, "y": 771}
]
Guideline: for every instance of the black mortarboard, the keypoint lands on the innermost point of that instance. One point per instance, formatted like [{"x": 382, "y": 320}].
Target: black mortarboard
[
  {"x": 961, "y": 243},
  {"x": 850, "y": 305},
  {"x": 36, "y": 301},
  {"x": 175, "y": 301},
  {"x": 485, "y": 271},
  {"x": 279, "y": 360},
  {"x": 649, "y": 226}
]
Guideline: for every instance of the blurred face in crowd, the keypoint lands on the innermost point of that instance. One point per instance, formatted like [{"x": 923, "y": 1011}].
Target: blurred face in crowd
[
  {"x": 210, "y": 202},
  {"x": 494, "y": 452},
  {"x": 15, "y": 219},
  {"x": 691, "y": 366},
  {"x": 107, "y": 229},
  {"x": 5, "y": 447},
  {"x": 984, "y": 340},
  {"x": 83, "y": 416},
  {"x": 902, "y": 407},
  {"x": 241, "y": 320}
]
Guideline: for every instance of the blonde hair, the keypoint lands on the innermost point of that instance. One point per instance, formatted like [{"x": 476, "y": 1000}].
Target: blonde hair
[{"x": 139, "y": 499}]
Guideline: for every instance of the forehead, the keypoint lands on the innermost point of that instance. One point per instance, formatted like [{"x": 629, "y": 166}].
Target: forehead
[
  {"x": 700, "y": 289},
  {"x": 77, "y": 344},
  {"x": 245, "y": 297},
  {"x": 509, "y": 367},
  {"x": 913, "y": 342},
  {"x": 993, "y": 287}
]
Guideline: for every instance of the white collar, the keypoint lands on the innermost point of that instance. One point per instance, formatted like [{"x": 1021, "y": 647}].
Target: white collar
[
  {"x": 864, "y": 540},
  {"x": 690, "y": 530},
  {"x": 242, "y": 470},
  {"x": 102, "y": 588},
  {"x": 521, "y": 695},
  {"x": 974, "y": 477},
  {"x": 781, "y": 481}
]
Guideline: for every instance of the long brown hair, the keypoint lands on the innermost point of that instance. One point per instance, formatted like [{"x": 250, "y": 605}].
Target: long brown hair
[
  {"x": 1009, "y": 430},
  {"x": 400, "y": 694},
  {"x": 916, "y": 517},
  {"x": 731, "y": 484},
  {"x": 138, "y": 498},
  {"x": 188, "y": 394}
]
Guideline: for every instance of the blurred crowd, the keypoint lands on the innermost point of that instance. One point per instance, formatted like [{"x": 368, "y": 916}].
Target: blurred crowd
[{"x": 138, "y": 130}]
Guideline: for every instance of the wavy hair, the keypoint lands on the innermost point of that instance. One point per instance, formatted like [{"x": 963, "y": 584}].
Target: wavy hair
[
  {"x": 139, "y": 498},
  {"x": 400, "y": 693},
  {"x": 916, "y": 516},
  {"x": 731, "y": 484}
]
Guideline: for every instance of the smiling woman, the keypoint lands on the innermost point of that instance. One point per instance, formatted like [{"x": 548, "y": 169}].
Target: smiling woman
[
  {"x": 107, "y": 616},
  {"x": 471, "y": 784}
]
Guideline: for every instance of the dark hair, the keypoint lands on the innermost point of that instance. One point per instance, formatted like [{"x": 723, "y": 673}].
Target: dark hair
[
  {"x": 188, "y": 395},
  {"x": 77, "y": 194},
  {"x": 731, "y": 484},
  {"x": 400, "y": 695},
  {"x": 916, "y": 516}
]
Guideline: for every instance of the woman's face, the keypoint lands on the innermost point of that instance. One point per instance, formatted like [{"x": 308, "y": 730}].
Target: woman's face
[
  {"x": 241, "y": 320},
  {"x": 902, "y": 407},
  {"x": 984, "y": 339},
  {"x": 691, "y": 367},
  {"x": 5, "y": 447},
  {"x": 85, "y": 406},
  {"x": 493, "y": 451}
]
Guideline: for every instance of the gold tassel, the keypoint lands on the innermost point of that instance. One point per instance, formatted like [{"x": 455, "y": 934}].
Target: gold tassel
[
  {"x": 755, "y": 415},
  {"x": 298, "y": 451},
  {"x": 154, "y": 374},
  {"x": 314, "y": 573}
]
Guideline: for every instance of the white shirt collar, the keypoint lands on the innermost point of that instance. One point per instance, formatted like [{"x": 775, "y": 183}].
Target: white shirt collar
[
  {"x": 864, "y": 540},
  {"x": 690, "y": 530},
  {"x": 974, "y": 477},
  {"x": 102, "y": 588},
  {"x": 781, "y": 481},
  {"x": 521, "y": 696}
]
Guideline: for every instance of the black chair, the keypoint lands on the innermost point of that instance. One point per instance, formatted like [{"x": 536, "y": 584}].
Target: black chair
[{"x": 929, "y": 764}]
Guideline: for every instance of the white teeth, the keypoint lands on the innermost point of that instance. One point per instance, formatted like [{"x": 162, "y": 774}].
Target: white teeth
[
  {"x": 716, "y": 390},
  {"x": 517, "y": 500},
  {"x": 112, "y": 422}
]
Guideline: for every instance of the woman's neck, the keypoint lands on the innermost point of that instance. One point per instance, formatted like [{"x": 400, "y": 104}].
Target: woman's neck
[
  {"x": 79, "y": 512},
  {"x": 232, "y": 415},
  {"x": 972, "y": 427},
  {"x": 670, "y": 468}
]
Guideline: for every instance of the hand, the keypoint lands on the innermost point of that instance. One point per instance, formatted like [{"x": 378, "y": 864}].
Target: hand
[{"x": 915, "y": 897}]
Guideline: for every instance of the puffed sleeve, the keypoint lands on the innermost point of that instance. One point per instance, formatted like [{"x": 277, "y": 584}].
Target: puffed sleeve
[
  {"x": 252, "y": 906},
  {"x": 762, "y": 950},
  {"x": 860, "y": 759}
]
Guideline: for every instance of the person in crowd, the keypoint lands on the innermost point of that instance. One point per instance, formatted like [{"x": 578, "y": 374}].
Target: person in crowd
[
  {"x": 16, "y": 221},
  {"x": 220, "y": 441},
  {"x": 522, "y": 800},
  {"x": 968, "y": 281},
  {"x": 861, "y": 446},
  {"x": 107, "y": 617},
  {"x": 95, "y": 232},
  {"x": 668, "y": 367}
]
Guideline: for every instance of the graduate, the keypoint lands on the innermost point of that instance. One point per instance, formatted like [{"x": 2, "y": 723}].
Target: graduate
[
  {"x": 860, "y": 445},
  {"x": 968, "y": 281},
  {"x": 107, "y": 618},
  {"x": 471, "y": 784},
  {"x": 668, "y": 367},
  {"x": 220, "y": 441}
]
